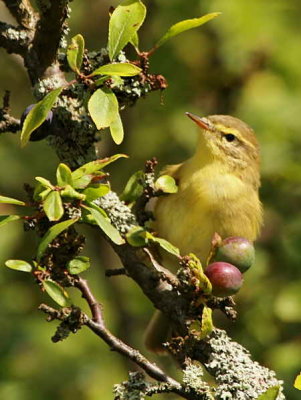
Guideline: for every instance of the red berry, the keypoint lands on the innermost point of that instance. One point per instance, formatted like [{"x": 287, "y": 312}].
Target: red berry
[{"x": 225, "y": 278}]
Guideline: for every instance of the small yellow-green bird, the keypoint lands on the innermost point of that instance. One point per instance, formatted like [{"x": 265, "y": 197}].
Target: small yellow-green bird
[{"x": 217, "y": 192}]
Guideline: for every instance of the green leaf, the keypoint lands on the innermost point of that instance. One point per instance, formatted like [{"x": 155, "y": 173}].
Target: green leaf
[
  {"x": 38, "y": 114},
  {"x": 203, "y": 328},
  {"x": 44, "y": 182},
  {"x": 124, "y": 23},
  {"x": 57, "y": 293},
  {"x": 270, "y": 394},
  {"x": 93, "y": 193},
  {"x": 185, "y": 25},
  {"x": 19, "y": 265},
  {"x": 71, "y": 193},
  {"x": 297, "y": 383},
  {"x": 53, "y": 206},
  {"x": 164, "y": 244},
  {"x": 135, "y": 41},
  {"x": 116, "y": 129},
  {"x": 167, "y": 184},
  {"x": 4, "y": 219},
  {"x": 93, "y": 167},
  {"x": 10, "y": 200},
  {"x": 64, "y": 175},
  {"x": 41, "y": 193},
  {"x": 52, "y": 233},
  {"x": 101, "y": 80},
  {"x": 117, "y": 69},
  {"x": 106, "y": 226},
  {"x": 134, "y": 187},
  {"x": 137, "y": 236},
  {"x": 201, "y": 281},
  {"x": 207, "y": 323},
  {"x": 78, "y": 265},
  {"x": 103, "y": 107},
  {"x": 75, "y": 52}
]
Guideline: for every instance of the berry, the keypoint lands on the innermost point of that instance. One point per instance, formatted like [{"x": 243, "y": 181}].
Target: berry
[
  {"x": 237, "y": 251},
  {"x": 226, "y": 279},
  {"x": 42, "y": 131}
]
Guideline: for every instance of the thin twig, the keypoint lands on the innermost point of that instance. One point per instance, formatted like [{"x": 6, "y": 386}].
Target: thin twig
[
  {"x": 7, "y": 122},
  {"x": 97, "y": 325}
]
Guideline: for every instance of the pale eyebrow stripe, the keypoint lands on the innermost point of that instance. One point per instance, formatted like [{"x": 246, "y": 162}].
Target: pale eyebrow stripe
[{"x": 224, "y": 129}]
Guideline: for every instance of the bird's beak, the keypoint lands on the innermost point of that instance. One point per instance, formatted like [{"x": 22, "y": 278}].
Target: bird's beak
[{"x": 201, "y": 122}]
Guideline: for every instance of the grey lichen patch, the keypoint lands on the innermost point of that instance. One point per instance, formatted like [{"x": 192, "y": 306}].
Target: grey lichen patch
[
  {"x": 16, "y": 34},
  {"x": 237, "y": 375},
  {"x": 120, "y": 215},
  {"x": 193, "y": 380},
  {"x": 46, "y": 85},
  {"x": 133, "y": 389}
]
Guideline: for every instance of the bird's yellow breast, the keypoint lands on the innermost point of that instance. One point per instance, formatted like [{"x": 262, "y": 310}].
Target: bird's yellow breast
[{"x": 209, "y": 200}]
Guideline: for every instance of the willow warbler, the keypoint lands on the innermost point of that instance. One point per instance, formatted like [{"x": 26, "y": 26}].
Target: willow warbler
[{"x": 217, "y": 192}]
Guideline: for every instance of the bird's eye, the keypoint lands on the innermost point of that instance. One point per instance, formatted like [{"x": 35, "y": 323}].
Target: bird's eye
[{"x": 229, "y": 137}]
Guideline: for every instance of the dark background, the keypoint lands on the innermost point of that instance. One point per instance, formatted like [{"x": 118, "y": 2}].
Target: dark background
[{"x": 245, "y": 63}]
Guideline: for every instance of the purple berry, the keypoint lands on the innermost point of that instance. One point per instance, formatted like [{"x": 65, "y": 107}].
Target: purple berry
[
  {"x": 42, "y": 131},
  {"x": 225, "y": 278},
  {"x": 237, "y": 251}
]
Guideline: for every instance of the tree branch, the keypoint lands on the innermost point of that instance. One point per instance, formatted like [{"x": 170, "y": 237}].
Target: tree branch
[
  {"x": 7, "y": 122},
  {"x": 14, "y": 39},
  {"x": 97, "y": 325},
  {"x": 23, "y": 12},
  {"x": 49, "y": 30}
]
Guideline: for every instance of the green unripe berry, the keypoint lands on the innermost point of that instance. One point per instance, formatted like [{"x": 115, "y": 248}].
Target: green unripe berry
[{"x": 237, "y": 251}]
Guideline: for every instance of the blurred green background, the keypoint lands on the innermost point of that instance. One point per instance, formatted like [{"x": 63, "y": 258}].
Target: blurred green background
[{"x": 245, "y": 63}]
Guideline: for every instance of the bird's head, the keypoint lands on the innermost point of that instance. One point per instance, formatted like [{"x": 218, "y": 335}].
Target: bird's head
[{"x": 228, "y": 140}]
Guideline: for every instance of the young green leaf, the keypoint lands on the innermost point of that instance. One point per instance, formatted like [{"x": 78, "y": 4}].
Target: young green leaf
[
  {"x": 164, "y": 244},
  {"x": 38, "y": 114},
  {"x": 10, "y": 200},
  {"x": 106, "y": 226},
  {"x": 135, "y": 41},
  {"x": 75, "y": 52},
  {"x": 44, "y": 182},
  {"x": 94, "y": 192},
  {"x": 64, "y": 175},
  {"x": 270, "y": 394},
  {"x": 93, "y": 167},
  {"x": 297, "y": 383},
  {"x": 53, "y": 206},
  {"x": 57, "y": 293},
  {"x": 52, "y": 233},
  {"x": 134, "y": 188},
  {"x": 103, "y": 107},
  {"x": 124, "y": 23},
  {"x": 167, "y": 184},
  {"x": 4, "y": 219},
  {"x": 19, "y": 265},
  {"x": 78, "y": 265},
  {"x": 71, "y": 193},
  {"x": 185, "y": 25},
  {"x": 201, "y": 329},
  {"x": 137, "y": 236},
  {"x": 116, "y": 129},
  {"x": 117, "y": 69}
]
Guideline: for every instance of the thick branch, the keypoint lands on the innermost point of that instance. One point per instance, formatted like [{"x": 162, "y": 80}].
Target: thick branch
[
  {"x": 49, "y": 31},
  {"x": 23, "y": 12},
  {"x": 14, "y": 39}
]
